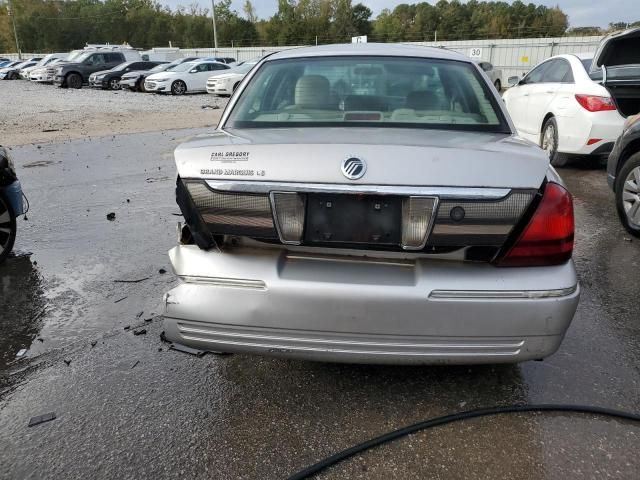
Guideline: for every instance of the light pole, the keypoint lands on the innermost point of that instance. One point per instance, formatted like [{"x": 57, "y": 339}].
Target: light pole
[
  {"x": 15, "y": 32},
  {"x": 213, "y": 19}
]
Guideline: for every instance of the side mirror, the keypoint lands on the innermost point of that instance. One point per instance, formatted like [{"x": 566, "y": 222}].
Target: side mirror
[{"x": 513, "y": 81}]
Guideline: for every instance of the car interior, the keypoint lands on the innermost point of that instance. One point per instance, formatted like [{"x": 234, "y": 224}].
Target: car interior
[{"x": 371, "y": 90}]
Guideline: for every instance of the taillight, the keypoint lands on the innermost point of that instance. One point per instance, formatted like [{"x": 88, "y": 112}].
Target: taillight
[
  {"x": 595, "y": 103},
  {"x": 548, "y": 238}
]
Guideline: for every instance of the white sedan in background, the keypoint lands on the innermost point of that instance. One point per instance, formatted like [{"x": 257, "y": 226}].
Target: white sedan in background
[
  {"x": 187, "y": 77},
  {"x": 559, "y": 106},
  {"x": 225, "y": 83}
]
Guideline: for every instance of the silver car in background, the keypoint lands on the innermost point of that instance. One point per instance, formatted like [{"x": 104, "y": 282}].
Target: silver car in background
[{"x": 373, "y": 204}]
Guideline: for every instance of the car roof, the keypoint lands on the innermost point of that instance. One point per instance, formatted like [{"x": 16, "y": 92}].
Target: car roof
[{"x": 369, "y": 49}]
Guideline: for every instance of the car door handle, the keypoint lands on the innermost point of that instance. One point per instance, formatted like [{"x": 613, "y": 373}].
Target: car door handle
[
  {"x": 549, "y": 91},
  {"x": 525, "y": 94}
]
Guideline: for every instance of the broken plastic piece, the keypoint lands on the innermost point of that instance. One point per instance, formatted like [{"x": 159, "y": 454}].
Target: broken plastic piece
[
  {"x": 47, "y": 417},
  {"x": 191, "y": 351},
  {"x": 21, "y": 353}
]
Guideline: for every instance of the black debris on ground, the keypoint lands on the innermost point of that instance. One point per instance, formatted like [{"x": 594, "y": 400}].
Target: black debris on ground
[
  {"x": 47, "y": 417},
  {"x": 184, "y": 349},
  {"x": 127, "y": 327},
  {"x": 67, "y": 361},
  {"x": 140, "y": 332},
  {"x": 94, "y": 343},
  {"x": 111, "y": 216},
  {"x": 162, "y": 271},
  {"x": 120, "y": 299},
  {"x": 132, "y": 281},
  {"x": 139, "y": 314},
  {"x": 135, "y": 364}
]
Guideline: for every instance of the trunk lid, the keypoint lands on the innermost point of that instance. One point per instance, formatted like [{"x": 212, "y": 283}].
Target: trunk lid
[
  {"x": 616, "y": 65},
  {"x": 393, "y": 157}
]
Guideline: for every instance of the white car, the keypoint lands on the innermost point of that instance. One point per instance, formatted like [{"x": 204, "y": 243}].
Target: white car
[
  {"x": 187, "y": 77},
  {"x": 225, "y": 83},
  {"x": 559, "y": 106},
  {"x": 25, "y": 73}
]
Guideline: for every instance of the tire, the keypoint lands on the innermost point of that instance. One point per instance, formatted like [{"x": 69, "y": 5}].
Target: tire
[
  {"x": 7, "y": 227},
  {"x": 178, "y": 88},
  {"x": 498, "y": 85},
  {"x": 13, "y": 76},
  {"x": 627, "y": 191},
  {"x": 73, "y": 80},
  {"x": 549, "y": 143},
  {"x": 141, "y": 86},
  {"x": 114, "y": 84}
]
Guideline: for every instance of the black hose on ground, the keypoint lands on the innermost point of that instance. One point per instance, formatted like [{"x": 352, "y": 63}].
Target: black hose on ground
[{"x": 433, "y": 422}]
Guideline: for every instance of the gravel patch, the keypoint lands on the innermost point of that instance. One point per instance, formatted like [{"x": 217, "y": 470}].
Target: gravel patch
[{"x": 37, "y": 113}]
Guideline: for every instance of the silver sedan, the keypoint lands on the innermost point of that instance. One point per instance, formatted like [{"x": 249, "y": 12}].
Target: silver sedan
[{"x": 373, "y": 204}]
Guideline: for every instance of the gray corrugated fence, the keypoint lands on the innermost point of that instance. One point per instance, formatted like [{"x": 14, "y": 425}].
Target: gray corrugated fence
[{"x": 512, "y": 56}]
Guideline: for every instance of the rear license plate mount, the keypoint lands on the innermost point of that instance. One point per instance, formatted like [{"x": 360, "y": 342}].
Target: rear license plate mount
[{"x": 353, "y": 219}]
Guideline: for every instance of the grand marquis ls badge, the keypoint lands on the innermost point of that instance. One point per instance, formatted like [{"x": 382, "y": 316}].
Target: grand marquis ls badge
[{"x": 353, "y": 168}]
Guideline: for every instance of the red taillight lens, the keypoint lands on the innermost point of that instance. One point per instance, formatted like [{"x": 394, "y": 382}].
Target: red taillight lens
[
  {"x": 594, "y": 103},
  {"x": 548, "y": 238}
]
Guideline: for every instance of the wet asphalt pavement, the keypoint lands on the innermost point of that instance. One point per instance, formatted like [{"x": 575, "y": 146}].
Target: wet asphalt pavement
[{"x": 128, "y": 407}]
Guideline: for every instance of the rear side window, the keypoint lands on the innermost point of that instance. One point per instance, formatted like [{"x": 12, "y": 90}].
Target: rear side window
[
  {"x": 558, "y": 71},
  {"x": 375, "y": 91},
  {"x": 535, "y": 75}
]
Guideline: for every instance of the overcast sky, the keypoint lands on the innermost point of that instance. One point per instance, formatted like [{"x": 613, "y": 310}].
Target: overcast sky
[{"x": 581, "y": 12}]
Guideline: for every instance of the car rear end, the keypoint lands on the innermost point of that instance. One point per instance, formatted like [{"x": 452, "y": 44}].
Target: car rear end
[
  {"x": 616, "y": 71},
  {"x": 394, "y": 229}
]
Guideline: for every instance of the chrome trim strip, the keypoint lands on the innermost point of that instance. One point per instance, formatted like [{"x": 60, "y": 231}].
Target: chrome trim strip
[
  {"x": 345, "y": 343},
  {"x": 501, "y": 294},
  {"x": 297, "y": 348},
  {"x": 225, "y": 282},
  {"x": 470, "y": 193},
  {"x": 470, "y": 229}
]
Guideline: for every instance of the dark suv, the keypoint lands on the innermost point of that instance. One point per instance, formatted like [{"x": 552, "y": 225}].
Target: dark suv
[{"x": 76, "y": 73}]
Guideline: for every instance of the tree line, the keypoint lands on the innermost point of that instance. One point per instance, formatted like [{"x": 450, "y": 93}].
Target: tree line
[{"x": 61, "y": 25}]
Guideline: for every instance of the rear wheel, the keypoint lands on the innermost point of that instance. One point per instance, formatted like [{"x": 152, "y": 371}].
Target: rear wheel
[
  {"x": 74, "y": 81},
  {"x": 141, "y": 86},
  {"x": 114, "y": 84},
  {"x": 498, "y": 85},
  {"x": 628, "y": 195},
  {"x": 178, "y": 88},
  {"x": 7, "y": 227},
  {"x": 549, "y": 143}
]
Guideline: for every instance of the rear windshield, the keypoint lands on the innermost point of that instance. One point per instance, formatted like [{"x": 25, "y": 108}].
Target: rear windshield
[{"x": 374, "y": 91}]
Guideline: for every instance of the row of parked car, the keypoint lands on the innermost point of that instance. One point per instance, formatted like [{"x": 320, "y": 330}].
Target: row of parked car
[{"x": 116, "y": 67}]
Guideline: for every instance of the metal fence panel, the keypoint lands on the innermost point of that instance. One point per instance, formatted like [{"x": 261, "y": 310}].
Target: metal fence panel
[{"x": 512, "y": 56}]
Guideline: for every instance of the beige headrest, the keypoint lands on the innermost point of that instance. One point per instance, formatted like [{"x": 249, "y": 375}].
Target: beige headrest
[{"x": 312, "y": 91}]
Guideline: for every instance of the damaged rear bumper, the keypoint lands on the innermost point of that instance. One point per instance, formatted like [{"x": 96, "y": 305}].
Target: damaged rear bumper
[{"x": 366, "y": 310}]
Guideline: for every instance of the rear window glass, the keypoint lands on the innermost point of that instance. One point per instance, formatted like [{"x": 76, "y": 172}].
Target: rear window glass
[
  {"x": 377, "y": 91},
  {"x": 586, "y": 62}
]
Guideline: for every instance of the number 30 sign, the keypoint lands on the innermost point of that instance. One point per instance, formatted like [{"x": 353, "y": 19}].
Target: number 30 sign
[{"x": 476, "y": 53}]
